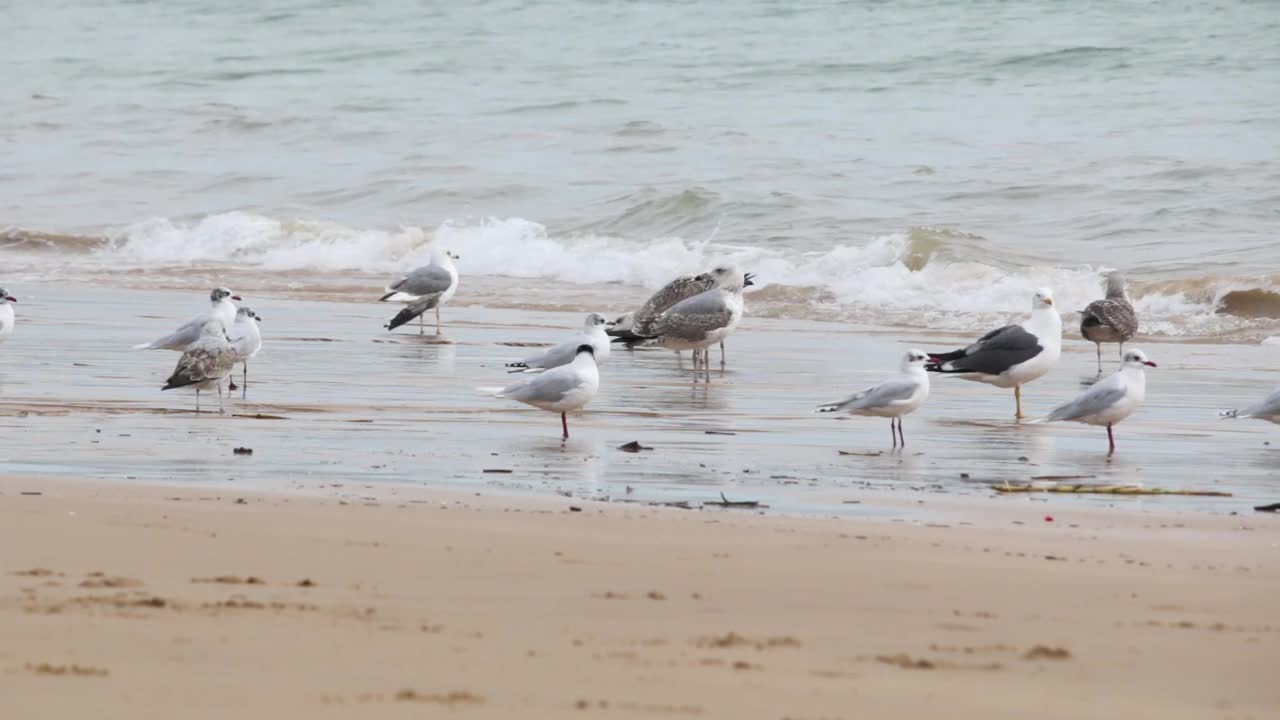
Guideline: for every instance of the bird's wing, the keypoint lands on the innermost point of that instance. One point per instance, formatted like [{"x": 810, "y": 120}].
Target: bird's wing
[
  {"x": 561, "y": 354},
  {"x": 886, "y": 394},
  {"x": 188, "y": 333},
  {"x": 996, "y": 352},
  {"x": 682, "y": 288},
  {"x": 426, "y": 280},
  {"x": 693, "y": 318},
  {"x": 204, "y": 360},
  {"x": 1101, "y": 396},
  {"x": 547, "y": 387},
  {"x": 1115, "y": 313}
]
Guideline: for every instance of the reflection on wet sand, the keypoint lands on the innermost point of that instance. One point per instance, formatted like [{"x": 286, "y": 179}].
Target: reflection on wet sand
[{"x": 338, "y": 397}]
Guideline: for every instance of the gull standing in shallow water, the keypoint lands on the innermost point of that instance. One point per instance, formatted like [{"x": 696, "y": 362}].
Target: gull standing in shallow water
[
  {"x": 6, "y": 313},
  {"x": 1011, "y": 356},
  {"x": 205, "y": 362},
  {"x": 1110, "y": 320},
  {"x": 1111, "y": 399},
  {"x": 560, "y": 389},
  {"x": 893, "y": 398},
  {"x": 632, "y": 327},
  {"x": 593, "y": 334},
  {"x": 1267, "y": 409},
  {"x": 427, "y": 287},
  {"x": 223, "y": 310},
  {"x": 701, "y": 321},
  {"x": 246, "y": 340}
]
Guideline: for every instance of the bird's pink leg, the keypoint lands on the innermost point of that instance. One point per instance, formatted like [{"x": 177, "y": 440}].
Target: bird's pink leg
[
  {"x": 564, "y": 423},
  {"x": 1112, "y": 439},
  {"x": 893, "y": 434},
  {"x": 900, "y": 435}
]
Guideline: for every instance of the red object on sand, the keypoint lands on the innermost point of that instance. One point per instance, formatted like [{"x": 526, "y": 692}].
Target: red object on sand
[{"x": 1048, "y": 518}]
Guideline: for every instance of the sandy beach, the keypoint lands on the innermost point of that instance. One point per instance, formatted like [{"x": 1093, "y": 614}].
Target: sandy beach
[{"x": 124, "y": 601}]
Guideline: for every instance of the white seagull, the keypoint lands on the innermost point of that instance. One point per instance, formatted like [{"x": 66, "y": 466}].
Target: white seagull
[
  {"x": 427, "y": 287},
  {"x": 1011, "y": 356},
  {"x": 6, "y": 313},
  {"x": 560, "y": 389},
  {"x": 205, "y": 362},
  {"x": 892, "y": 398},
  {"x": 1111, "y": 399},
  {"x": 1266, "y": 409},
  {"x": 593, "y": 334},
  {"x": 246, "y": 340},
  {"x": 701, "y": 321},
  {"x": 223, "y": 310}
]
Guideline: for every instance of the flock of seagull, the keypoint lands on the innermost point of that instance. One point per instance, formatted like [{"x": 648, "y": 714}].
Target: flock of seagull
[{"x": 694, "y": 313}]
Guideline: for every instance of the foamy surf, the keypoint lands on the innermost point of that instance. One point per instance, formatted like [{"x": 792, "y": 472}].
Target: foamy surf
[{"x": 925, "y": 278}]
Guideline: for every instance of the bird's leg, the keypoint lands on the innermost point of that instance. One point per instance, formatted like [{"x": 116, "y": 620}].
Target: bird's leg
[
  {"x": 1099, "y": 346},
  {"x": 219, "y": 386},
  {"x": 903, "y": 443},
  {"x": 1121, "y": 350},
  {"x": 893, "y": 434},
  {"x": 244, "y": 386},
  {"x": 437, "y": 320},
  {"x": 1111, "y": 438},
  {"x": 706, "y": 363},
  {"x": 564, "y": 423},
  {"x": 421, "y": 331},
  {"x": 1017, "y": 396},
  {"x": 197, "y": 401},
  {"x": 721, "y": 354}
]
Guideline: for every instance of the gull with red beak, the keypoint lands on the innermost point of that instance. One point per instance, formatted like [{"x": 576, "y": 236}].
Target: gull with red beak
[
  {"x": 223, "y": 310},
  {"x": 6, "y": 313},
  {"x": 1109, "y": 400}
]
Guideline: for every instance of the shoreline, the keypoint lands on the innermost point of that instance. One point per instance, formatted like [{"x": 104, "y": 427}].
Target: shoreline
[{"x": 176, "y": 601}]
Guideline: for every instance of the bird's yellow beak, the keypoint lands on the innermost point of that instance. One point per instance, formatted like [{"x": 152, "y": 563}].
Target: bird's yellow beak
[{"x": 1048, "y": 301}]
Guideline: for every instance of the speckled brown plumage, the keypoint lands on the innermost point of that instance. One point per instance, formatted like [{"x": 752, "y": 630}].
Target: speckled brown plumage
[{"x": 1110, "y": 320}]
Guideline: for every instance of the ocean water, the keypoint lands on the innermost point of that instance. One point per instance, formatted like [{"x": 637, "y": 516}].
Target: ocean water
[{"x": 889, "y": 164}]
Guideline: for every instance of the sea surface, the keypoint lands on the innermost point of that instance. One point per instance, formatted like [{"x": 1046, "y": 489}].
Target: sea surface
[{"x": 906, "y": 164}]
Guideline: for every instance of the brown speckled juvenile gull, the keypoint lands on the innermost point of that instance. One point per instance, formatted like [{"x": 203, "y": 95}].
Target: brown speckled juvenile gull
[
  {"x": 703, "y": 320},
  {"x": 634, "y": 327},
  {"x": 1110, "y": 320},
  {"x": 205, "y": 362}
]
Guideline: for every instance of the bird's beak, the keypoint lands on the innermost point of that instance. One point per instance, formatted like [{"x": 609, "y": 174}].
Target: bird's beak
[
  {"x": 10, "y": 298},
  {"x": 235, "y": 297},
  {"x": 1048, "y": 301},
  {"x": 747, "y": 280},
  {"x": 258, "y": 318},
  {"x": 1148, "y": 363}
]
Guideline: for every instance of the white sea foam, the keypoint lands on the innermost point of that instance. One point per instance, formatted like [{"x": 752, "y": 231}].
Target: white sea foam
[{"x": 884, "y": 278}]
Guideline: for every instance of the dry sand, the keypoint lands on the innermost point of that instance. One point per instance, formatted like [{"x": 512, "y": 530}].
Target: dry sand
[{"x": 120, "y": 601}]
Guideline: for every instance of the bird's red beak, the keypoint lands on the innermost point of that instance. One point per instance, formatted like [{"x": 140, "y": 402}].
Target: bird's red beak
[
  {"x": 235, "y": 297},
  {"x": 1150, "y": 364},
  {"x": 10, "y": 298}
]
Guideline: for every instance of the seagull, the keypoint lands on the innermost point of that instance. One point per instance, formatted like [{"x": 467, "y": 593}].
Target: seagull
[
  {"x": 893, "y": 398},
  {"x": 593, "y": 334},
  {"x": 1267, "y": 409},
  {"x": 246, "y": 340},
  {"x": 6, "y": 313},
  {"x": 701, "y": 321},
  {"x": 1111, "y": 399},
  {"x": 631, "y": 327},
  {"x": 223, "y": 310},
  {"x": 1011, "y": 356},
  {"x": 1110, "y": 320},
  {"x": 205, "y": 362},
  {"x": 560, "y": 389},
  {"x": 429, "y": 286}
]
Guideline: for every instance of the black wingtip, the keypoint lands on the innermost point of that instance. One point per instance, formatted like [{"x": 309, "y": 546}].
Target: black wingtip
[{"x": 384, "y": 297}]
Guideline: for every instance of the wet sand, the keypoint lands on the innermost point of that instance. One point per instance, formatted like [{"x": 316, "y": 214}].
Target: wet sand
[
  {"x": 334, "y": 398},
  {"x": 125, "y": 601}
]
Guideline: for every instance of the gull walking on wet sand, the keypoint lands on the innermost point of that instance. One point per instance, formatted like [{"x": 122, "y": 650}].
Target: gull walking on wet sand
[
  {"x": 892, "y": 398},
  {"x": 223, "y": 310},
  {"x": 7, "y": 319},
  {"x": 205, "y": 362},
  {"x": 427, "y": 287},
  {"x": 1110, "y": 320},
  {"x": 1266, "y": 409},
  {"x": 560, "y": 389},
  {"x": 701, "y": 321},
  {"x": 1011, "y": 356},
  {"x": 593, "y": 334},
  {"x": 1111, "y": 399},
  {"x": 246, "y": 340}
]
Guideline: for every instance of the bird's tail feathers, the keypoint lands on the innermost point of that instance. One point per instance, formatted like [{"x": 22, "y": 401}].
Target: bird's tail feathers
[
  {"x": 490, "y": 390},
  {"x": 143, "y": 346}
]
